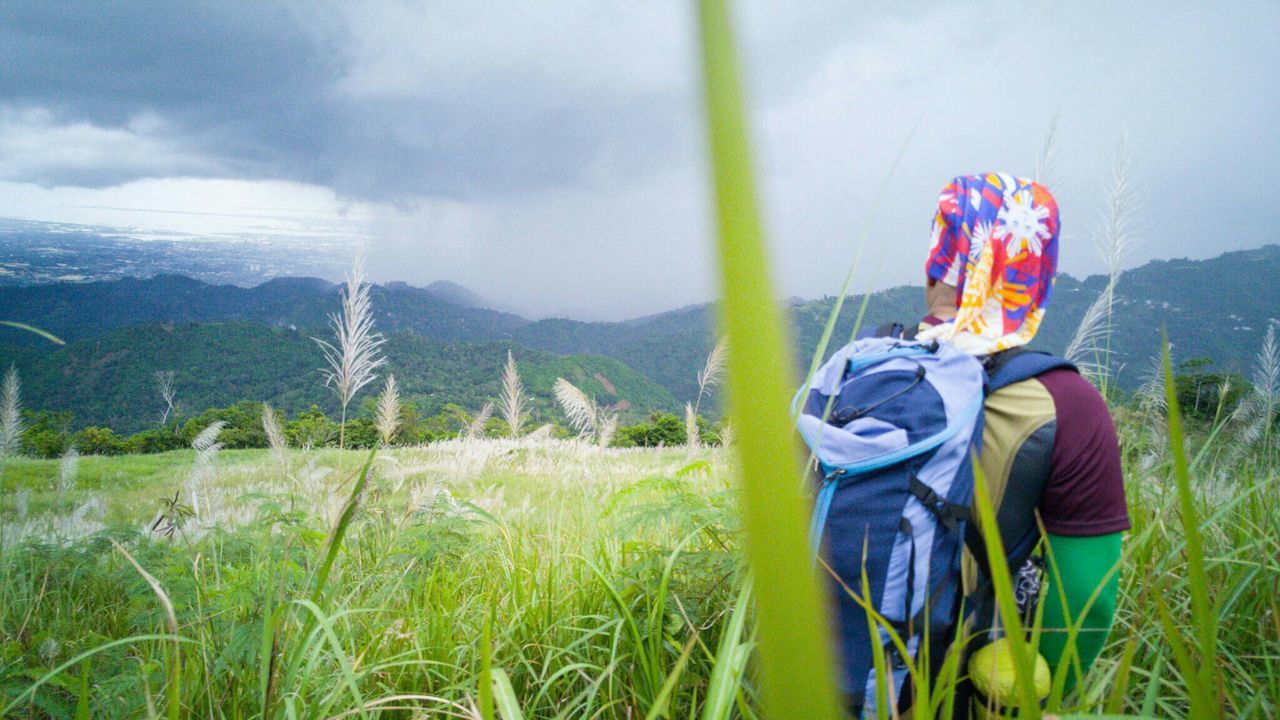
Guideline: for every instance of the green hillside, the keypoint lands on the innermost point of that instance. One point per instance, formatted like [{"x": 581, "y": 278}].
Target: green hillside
[
  {"x": 76, "y": 311},
  {"x": 1214, "y": 308},
  {"x": 108, "y": 380}
]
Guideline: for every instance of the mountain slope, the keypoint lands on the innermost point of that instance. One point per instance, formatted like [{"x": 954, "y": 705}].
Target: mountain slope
[
  {"x": 78, "y": 311},
  {"x": 108, "y": 380},
  {"x": 1216, "y": 308}
]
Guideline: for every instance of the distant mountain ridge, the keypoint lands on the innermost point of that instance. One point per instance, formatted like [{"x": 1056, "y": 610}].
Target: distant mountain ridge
[
  {"x": 452, "y": 292},
  {"x": 1215, "y": 308},
  {"x": 107, "y": 380}
]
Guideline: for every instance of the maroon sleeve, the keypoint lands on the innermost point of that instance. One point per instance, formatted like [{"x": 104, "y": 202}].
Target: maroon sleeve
[{"x": 1085, "y": 492}]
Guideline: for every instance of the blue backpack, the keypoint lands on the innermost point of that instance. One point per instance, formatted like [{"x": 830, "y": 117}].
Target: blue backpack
[{"x": 893, "y": 425}]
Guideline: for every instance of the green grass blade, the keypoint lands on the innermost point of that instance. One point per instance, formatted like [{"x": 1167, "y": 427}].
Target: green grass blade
[
  {"x": 1152, "y": 695},
  {"x": 173, "y": 692},
  {"x": 345, "y": 665},
  {"x": 1182, "y": 657},
  {"x": 1120, "y": 681},
  {"x": 628, "y": 619},
  {"x": 485, "y": 689},
  {"x": 16, "y": 701},
  {"x": 23, "y": 326},
  {"x": 877, "y": 655},
  {"x": 727, "y": 670},
  {"x": 795, "y": 659},
  {"x": 1028, "y": 701},
  {"x": 267, "y": 644},
  {"x": 340, "y": 529},
  {"x": 505, "y": 696},
  {"x": 82, "y": 699},
  {"x": 659, "y": 709},
  {"x": 1202, "y": 611},
  {"x": 1111, "y": 716}
]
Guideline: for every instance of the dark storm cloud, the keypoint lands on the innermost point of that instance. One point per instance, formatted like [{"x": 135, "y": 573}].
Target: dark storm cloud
[
  {"x": 549, "y": 154},
  {"x": 236, "y": 81},
  {"x": 253, "y": 91}
]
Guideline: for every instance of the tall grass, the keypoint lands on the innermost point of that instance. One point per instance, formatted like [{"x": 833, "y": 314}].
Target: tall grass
[
  {"x": 1258, "y": 412},
  {"x": 10, "y": 412},
  {"x": 1200, "y": 673},
  {"x": 590, "y": 419},
  {"x": 795, "y": 657},
  {"x": 355, "y": 355},
  {"x": 387, "y": 417},
  {"x": 533, "y": 577},
  {"x": 566, "y": 548},
  {"x": 1090, "y": 345},
  {"x": 515, "y": 401},
  {"x": 475, "y": 428}
]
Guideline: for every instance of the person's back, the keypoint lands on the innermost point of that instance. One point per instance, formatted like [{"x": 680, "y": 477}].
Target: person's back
[
  {"x": 1047, "y": 452},
  {"x": 1049, "y": 455}
]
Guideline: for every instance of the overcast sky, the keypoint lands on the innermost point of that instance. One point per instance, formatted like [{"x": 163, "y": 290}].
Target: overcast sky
[{"x": 549, "y": 155}]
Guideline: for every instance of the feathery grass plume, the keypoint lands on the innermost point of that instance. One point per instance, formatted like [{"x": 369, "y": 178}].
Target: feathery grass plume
[
  {"x": 10, "y": 413},
  {"x": 691, "y": 435},
  {"x": 581, "y": 411},
  {"x": 275, "y": 435},
  {"x": 68, "y": 469},
  {"x": 514, "y": 400},
  {"x": 1151, "y": 395},
  {"x": 712, "y": 371},
  {"x": 206, "y": 446},
  {"x": 388, "y": 422},
  {"x": 356, "y": 356},
  {"x": 542, "y": 433},
  {"x": 608, "y": 427},
  {"x": 1258, "y": 411},
  {"x": 164, "y": 385},
  {"x": 1047, "y": 162},
  {"x": 1090, "y": 346},
  {"x": 726, "y": 434},
  {"x": 475, "y": 428}
]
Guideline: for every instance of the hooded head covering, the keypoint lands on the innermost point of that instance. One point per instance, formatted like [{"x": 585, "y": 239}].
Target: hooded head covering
[{"x": 995, "y": 238}]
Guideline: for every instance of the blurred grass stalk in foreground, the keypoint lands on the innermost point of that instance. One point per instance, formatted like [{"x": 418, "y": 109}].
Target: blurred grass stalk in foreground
[{"x": 795, "y": 659}]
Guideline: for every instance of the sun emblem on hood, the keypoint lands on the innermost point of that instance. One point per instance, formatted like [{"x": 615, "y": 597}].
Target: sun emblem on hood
[{"x": 1022, "y": 223}]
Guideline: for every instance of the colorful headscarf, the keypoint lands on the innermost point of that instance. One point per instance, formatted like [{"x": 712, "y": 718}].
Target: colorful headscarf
[{"x": 995, "y": 237}]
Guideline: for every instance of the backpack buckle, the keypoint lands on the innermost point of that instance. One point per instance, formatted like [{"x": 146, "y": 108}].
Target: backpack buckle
[{"x": 949, "y": 514}]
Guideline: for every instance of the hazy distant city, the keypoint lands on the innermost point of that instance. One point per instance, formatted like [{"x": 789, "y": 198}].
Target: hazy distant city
[{"x": 37, "y": 252}]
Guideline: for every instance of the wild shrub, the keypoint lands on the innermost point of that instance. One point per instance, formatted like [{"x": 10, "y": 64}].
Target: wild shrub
[{"x": 99, "y": 441}]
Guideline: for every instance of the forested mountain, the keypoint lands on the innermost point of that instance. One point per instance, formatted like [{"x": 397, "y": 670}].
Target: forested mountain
[
  {"x": 109, "y": 380},
  {"x": 1215, "y": 308},
  {"x": 77, "y": 311}
]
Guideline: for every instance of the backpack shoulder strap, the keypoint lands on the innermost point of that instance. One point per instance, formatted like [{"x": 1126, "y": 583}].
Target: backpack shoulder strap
[
  {"x": 1018, "y": 364},
  {"x": 896, "y": 330}
]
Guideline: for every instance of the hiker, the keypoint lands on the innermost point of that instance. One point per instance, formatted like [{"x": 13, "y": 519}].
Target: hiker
[
  {"x": 894, "y": 420},
  {"x": 1049, "y": 446}
]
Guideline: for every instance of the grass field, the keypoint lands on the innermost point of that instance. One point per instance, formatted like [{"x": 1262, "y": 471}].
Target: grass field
[
  {"x": 555, "y": 579},
  {"x": 604, "y": 581}
]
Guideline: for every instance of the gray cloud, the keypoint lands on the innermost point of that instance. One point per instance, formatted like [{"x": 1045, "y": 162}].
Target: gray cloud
[
  {"x": 550, "y": 154},
  {"x": 462, "y": 105}
]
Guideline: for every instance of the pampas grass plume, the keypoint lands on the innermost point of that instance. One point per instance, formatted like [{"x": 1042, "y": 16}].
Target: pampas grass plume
[
  {"x": 514, "y": 401},
  {"x": 10, "y": 413},
  {"x": 355, "y": 357},
  {"x": 388, "y": 421},
  {"x": 476, "y": 428}
]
